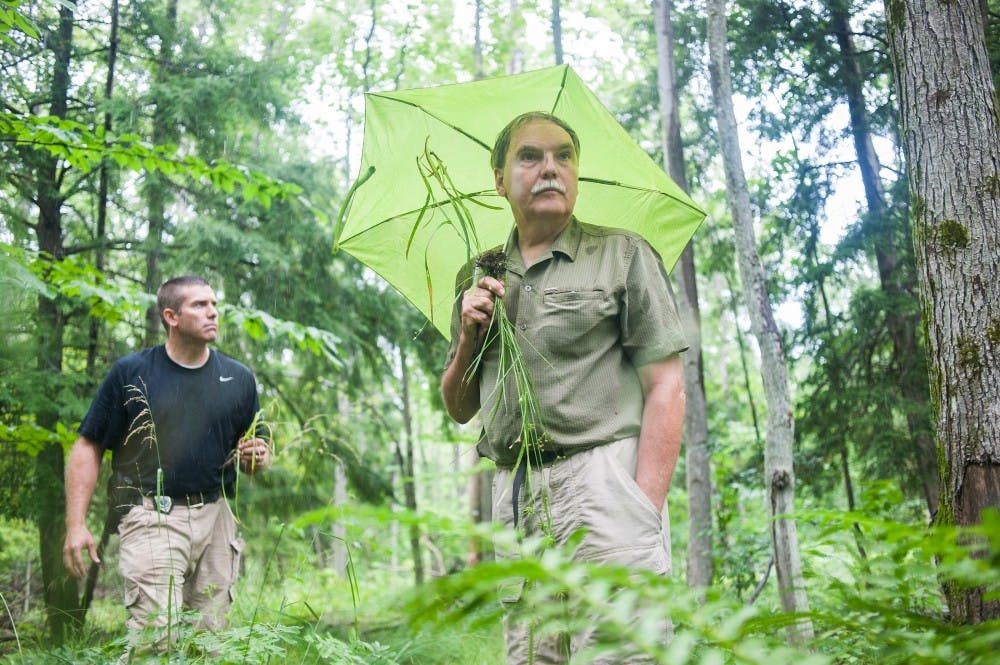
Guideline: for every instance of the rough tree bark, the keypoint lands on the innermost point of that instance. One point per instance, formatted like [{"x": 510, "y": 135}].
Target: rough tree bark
[
  {"x": 951, "y": 138},
  {"x": 779, "y": 477},
  {"x": 697, "y": 471}
]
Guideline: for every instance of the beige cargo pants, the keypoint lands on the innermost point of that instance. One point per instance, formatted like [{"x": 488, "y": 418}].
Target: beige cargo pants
[
  {"x": 594, "y": 490},
  {"x": 185, "y": 560}
]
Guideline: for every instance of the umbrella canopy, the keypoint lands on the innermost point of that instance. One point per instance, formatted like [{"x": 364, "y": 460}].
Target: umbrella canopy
[{"x": 620, "y": 185}]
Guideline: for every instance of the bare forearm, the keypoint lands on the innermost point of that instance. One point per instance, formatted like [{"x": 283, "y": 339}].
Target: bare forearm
[
  {"x": 459, "y": 389},
  {"x": 662, "y": 428},
  {"x": 82, "y": 469}
]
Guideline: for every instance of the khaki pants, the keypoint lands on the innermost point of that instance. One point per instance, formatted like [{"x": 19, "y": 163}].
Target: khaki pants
[
  {"x": 594, "y": 490},
  {"x": 185, "y": 560}
]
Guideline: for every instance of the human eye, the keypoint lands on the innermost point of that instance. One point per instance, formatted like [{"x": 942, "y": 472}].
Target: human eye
[{"x": 529, "y": 155}]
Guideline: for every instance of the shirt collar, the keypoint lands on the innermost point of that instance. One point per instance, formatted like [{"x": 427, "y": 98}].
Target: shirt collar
[{"x": 566, "y": 243}]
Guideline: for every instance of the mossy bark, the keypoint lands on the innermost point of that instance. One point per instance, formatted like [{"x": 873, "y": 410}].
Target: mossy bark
[{"x": 952, "y": 144}]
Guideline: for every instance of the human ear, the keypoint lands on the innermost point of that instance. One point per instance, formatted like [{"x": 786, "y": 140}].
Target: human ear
[
  {"x": 170, "y": 316},
  {"x": 498, "y": 176}
]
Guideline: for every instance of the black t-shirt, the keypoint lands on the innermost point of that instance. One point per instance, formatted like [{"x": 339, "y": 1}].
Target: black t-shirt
[{"x": 198, "y": 415}]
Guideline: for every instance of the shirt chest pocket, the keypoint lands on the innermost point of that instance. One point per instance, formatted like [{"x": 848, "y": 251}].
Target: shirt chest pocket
[{"x": 570, "y": 318}]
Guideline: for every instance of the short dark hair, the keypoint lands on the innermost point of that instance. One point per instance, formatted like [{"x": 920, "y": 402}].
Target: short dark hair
[
  {"x": 169, "y": 295},
  {"x": 499, "y": 154}
]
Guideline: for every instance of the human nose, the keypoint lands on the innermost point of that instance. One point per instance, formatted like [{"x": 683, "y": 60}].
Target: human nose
[
  {"x": 548, "y": 164},
  {"x": 213, "y": 311}
]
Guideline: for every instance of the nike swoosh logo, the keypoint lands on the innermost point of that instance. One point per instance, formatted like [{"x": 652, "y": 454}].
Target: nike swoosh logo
[{"x": 223, "y": 379}]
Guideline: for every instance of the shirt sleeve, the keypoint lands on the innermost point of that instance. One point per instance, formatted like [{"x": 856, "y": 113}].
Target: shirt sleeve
[
  {"x": 106, "y": 420},
  {"x": 651, "y": 328}
]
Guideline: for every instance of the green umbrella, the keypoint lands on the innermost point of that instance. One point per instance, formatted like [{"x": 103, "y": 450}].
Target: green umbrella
[{"x": 619, "y": 184}]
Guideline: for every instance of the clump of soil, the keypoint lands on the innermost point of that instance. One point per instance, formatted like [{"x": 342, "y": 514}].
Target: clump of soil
[{"x": 493, "y": 263}]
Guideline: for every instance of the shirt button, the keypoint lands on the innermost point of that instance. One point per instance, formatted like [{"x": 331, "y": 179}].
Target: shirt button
[
  {"x": 522, "y": 326},
  {"x": 527, "y": 287}
]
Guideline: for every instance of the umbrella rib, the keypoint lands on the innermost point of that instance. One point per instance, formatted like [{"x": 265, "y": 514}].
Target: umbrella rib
[
  {"x": 439, "y": 119},
  {"x": 429, "y": 206},
  {"x": 562, "y": 88},
  {"x": 615, "y": 183}
]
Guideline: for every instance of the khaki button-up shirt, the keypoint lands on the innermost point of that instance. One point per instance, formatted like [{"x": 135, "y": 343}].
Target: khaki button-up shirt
[{"x": 594, "y": 307}]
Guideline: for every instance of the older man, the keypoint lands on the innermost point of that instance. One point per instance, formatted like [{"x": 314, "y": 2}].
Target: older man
[
  {"x": 178, "y": 418},
  {"x": 601, "y": 338}
]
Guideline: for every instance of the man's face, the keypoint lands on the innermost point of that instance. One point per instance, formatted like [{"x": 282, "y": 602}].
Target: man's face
[
  {"x": 197, "y": 318},
  {"x": 539, "y": 177}
]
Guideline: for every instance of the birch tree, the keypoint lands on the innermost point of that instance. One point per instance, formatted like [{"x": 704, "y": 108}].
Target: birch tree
[
  {"x": 697, "y": 471},
  {"x": 951, "y": 139},
  {"x": 779, "y": 476}
]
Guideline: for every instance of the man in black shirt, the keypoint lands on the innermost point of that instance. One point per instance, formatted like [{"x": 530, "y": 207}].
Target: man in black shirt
[{"x": 177, "y": 418}]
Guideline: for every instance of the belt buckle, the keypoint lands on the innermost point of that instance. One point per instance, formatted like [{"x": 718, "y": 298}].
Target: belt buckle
[{"x": 163, "y": 504}]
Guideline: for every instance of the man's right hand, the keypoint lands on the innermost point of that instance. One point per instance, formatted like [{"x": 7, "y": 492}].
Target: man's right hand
[
  {"x": 78, "y": 539},
  {"x": 477, "y": 306}
]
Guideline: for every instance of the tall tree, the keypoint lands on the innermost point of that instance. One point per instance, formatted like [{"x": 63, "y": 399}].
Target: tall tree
[
  {"x": 901, "y": 322},
  {"x": 61, "y": 596},
  {"x": 157, "y": 187},
  {"x": 100, "y": 234},
  {"x": 779, "y": 475},
  {"x": 696, "y": 469},
  {"x": 952, "y": 142},
  {"x": 557, "y": 45}
]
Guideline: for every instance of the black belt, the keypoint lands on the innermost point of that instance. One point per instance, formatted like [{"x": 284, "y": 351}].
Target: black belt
[
  {"x": 164, "y": 503},
  {"x": 538, "y": 459},
  {"x": 195, "y": 498}
]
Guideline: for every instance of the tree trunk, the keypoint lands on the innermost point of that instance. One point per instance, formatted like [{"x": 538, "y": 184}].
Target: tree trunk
[
  {"x": 60, "y": 589},
  {"x": 902, "y": 329},
  {"x": 697, "y": 470},
  {"x": 952, "y": 142},
  {"x": 340, "y": 498},
  {"x": 779, "y": 477},
  {"x": 557, "y": 32},
  {"x": 477, "y": 46},
  {"x": 102, "y": 196},
  {"x": 406, "y": 469},
  {"x": 157, "y": 184},
  {"x": 516, "y": 64}
]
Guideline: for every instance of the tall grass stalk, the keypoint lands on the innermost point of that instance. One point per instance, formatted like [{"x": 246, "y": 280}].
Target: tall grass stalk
[{"x": 501, "y": 331}]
